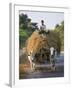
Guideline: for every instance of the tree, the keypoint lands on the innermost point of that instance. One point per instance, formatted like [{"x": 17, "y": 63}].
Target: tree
[
  {"x": 57, "y": 25},
  {"x": 26, "y": 28},
  {"x": 23, "y": 20},
  {"x": 60, "y": 30}
]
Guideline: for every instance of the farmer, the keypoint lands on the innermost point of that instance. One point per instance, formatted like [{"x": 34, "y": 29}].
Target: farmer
[{"x": 43, "y": 29}]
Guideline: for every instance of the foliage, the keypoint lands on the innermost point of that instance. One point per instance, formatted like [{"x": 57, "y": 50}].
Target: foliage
[
  {"x": 25, "y": 22},
  {"x": 23, "y": 35},
  {"x": 26, "y": 27},
  {"x": 60, "y": 29}
]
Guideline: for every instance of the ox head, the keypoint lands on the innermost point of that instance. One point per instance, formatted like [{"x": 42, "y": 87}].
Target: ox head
[{"x": 52, "y": 51}]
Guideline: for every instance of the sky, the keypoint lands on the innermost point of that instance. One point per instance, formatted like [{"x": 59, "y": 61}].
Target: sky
[{"x": 50, "y": 18}]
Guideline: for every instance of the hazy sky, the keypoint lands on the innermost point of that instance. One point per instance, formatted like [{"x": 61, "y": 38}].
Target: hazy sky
[{"x": 50, "y": 18}]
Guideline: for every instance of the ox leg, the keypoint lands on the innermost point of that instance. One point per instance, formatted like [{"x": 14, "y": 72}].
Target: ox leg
[
  {"x": 33, "y": 66},
  {"x": 52, "y": 62},
  {"x": 29, "y": 58}
]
